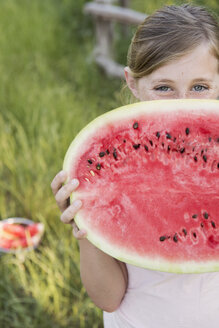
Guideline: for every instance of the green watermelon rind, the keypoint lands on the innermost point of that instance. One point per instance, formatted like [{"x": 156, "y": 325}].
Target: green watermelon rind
[{"x": 210, "y": 106}]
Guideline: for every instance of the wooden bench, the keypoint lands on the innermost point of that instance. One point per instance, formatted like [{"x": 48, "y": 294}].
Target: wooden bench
[{"x": 105, "y": 14}]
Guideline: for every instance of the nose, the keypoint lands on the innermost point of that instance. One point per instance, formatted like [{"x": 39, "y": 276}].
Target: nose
[{"x": 183, "y": 94}]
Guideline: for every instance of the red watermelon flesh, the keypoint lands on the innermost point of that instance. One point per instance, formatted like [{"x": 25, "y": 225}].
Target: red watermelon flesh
[
  {"x": 20, "y": 231},
  {"x": 149, "y": 183}
]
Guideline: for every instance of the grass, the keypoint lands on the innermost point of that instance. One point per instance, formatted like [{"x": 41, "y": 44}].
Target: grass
[{"x": 50, "y": 88}]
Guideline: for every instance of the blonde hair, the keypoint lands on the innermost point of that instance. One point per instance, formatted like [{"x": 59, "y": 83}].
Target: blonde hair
[{"x": 170, "y": 33}]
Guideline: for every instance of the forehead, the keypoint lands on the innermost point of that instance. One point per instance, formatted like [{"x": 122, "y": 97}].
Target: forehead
[{"x": 199, "y": 62}]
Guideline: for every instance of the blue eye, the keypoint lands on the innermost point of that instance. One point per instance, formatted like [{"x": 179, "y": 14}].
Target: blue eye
[
  {"x": 163, "y": 88},
  {"x": 199, "y": 88}
]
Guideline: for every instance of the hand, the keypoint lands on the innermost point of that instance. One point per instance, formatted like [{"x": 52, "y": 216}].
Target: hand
[{"x": 62, "y": 196}]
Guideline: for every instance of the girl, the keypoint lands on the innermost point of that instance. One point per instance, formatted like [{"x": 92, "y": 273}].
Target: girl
[{"x": 174, "y": 54}]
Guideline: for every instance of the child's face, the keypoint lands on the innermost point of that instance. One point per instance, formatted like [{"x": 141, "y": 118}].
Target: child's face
[{"x": 194, "y": 75}]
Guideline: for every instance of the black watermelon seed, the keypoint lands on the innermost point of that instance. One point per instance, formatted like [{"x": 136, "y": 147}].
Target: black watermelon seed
[
  {"x": 205, "y": 158},
  {"x": 182, "y": 150},
  {"x": 162, "y": 238},
  {"x": 184, "y": 231},
  {"x": 187, "y": 131},
  {"x": 98, "y": 166},
  {"x": 146, "y": 148},
  {"x": 102, "y": 153},
  {"x": 213, "y": 224},
  {"x": 107, "y": 151},
  {"x": 124, "y": 141},
  {"x": 217, "y": 139},
  {"x": 168, "y": 148},
  {"x": 175, "y": 239},
  {"x": 89, "y": 161},
  {"x": 174, "y": 140},
  {"x": 158, "y": 135},
  {"x": 195, "y": 159},
  {"x": 205, "y": 215},
  {"x": 168, "y": 136},
  {"x": 135, "y": 125},
  {"x": 151, "y": 142},
  {"x": 162, "y": 144},
  {"x": 202, "y": 225},
  {"x": 194, "y": 234},
  {"x": 218, "y": 165},
  {"x": 115, "y": 153},
  {"x": 136, "y": 146},
  {"x": 202, "y": 151},
  {"x": 194, "y": 216},
  {"x": 209, "y": 139}
]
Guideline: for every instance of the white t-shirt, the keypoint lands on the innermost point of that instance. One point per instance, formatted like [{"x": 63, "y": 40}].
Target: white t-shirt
[{"x": 167, "y": 300}]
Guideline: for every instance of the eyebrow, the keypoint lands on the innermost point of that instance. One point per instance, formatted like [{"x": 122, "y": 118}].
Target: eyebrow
[
  {"x": 200, "y": 79},
  {"x": 162, "y": 81}
]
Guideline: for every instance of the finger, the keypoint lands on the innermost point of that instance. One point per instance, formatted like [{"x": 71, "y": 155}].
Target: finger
[
  {"x": 78, "y": 234},
  {"x": 68, "y": 215},
  {"x": 57, "y": 182},
  {"x": 63, "y": 194}
]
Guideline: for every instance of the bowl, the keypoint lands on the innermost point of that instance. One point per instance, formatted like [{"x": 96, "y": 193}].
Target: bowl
[{"x": 9, "y": 238}]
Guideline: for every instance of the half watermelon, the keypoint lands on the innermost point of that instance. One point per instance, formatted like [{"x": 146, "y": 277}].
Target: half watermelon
[{"x": 149, "y": 183}]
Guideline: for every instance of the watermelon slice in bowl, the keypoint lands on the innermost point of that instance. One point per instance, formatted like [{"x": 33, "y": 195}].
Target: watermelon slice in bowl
[
  {"x": 149, "y": 183},
  {"x": 18, "y": 234}
]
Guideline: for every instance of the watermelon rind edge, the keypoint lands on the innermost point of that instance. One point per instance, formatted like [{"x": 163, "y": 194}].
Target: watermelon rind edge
[{"x": 158, "y": 264}]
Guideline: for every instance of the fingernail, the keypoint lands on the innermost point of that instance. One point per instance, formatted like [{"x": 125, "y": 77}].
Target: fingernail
[
  {"x": 74, "y": 182},
  {"x": 78, "y": 203},
  {"x": 82, "y": 233}
]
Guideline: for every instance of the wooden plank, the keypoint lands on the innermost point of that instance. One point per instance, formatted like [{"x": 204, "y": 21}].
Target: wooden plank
[
  {"x": 104, "y": 37},
  {"x": 106, "y": 1},
  {"x": 116, "y": 13},
  {"x": 110, "y": 67}
]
